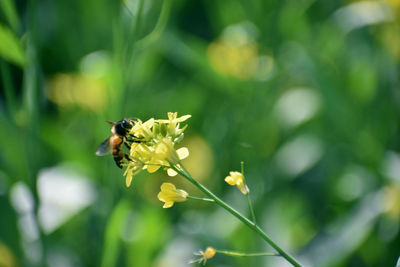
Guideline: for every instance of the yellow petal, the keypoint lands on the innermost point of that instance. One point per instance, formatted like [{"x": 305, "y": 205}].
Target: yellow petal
[
  {"x": 244, "y": 189},
  {"x": 230, "y": 181},
  {"x": 168, "y": 204},
  {"x": 172, "y": 115},
  {"x": 183, "y": 118},
  {"x": 236, "y": 175},
  {"x": 181, "y": 195},
  {"x": 128, "y": 180},
  {"x": 167, "y": 186},
  {"x": 182, "y": 152},
  {"x": 171, "y": 172},
  {"x": 152, "y": 168}
]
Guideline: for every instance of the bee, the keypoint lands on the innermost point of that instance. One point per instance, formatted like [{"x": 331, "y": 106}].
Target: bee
[{"x": 120, "y": 135}]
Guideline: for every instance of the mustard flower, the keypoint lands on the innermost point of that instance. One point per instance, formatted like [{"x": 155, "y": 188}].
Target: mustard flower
[
  {"x": 172, "y": 123},
  {"x": 156, "y": 146},
  {"x": 204, "y": 255},
  {"x": 165, "y": 154},
  {"x": 236, "y": 178},
  {"x": 169, "y": 194},
  {"x": 143, "y": 130}
]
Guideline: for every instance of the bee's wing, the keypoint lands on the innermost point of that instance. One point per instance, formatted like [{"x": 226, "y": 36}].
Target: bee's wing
[{"x": 104, "y": 148}]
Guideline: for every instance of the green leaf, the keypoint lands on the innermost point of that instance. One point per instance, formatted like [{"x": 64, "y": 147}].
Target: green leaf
[
  {"x": 10, "y": 13},
  {"x": 398, "y": 262},
  {"x": 10, "y": 47}
]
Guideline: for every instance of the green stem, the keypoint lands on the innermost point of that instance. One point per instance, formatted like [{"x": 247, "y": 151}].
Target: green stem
[
  {"x": 253, "y": 215},
  {"x": 201, "y": 198},
  {"x": 181, "y": 170},
  {"x": 242, "y": 254}
]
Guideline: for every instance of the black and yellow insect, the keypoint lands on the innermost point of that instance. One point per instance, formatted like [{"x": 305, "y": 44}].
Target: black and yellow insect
[{"x": 113, "y": 144}]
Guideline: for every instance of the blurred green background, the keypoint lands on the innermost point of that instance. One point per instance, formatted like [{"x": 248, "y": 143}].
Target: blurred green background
[{"x": 306, "y": 93}]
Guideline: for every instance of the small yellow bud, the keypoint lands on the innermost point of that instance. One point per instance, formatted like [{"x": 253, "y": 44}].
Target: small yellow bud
[
  {"x": 204, "y": 255},
  {"x": 236, "y": 178},
  {"x": 209, "y": 253}
]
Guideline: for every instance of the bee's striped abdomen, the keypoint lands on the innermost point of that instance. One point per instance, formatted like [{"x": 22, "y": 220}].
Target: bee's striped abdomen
[{"x": 116, "y": 149}]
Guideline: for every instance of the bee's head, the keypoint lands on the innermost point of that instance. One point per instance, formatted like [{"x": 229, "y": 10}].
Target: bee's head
[
  {"x": 122, "y": 127},
  {"x": 126, "y": 123}
]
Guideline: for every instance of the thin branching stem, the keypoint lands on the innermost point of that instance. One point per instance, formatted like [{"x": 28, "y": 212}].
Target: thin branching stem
[
  {"x": 253, "y": 215},
  {"x": 201, "y": 198},
  {"x": 243, "y": 254},
  {"x": 182, "y": 171}
]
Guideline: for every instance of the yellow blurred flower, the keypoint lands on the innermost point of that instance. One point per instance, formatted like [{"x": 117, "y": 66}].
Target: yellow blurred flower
[
  {"x": 237, "y": 54},
  {"x": 392, "y": 200},
  {"x": 72, "y": 89},
  {"x": 394, "y": 4},
  {"x": 236, "y": 178},
  {"x": 204, "y": 255},
  {"x": 239, "y": 61},
  {"x": 7, "y": 258},
  {"x": 169, "y": 194}
]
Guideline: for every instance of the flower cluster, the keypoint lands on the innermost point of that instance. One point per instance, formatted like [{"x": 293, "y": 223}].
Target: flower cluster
[{"x": 153, "y": 145}]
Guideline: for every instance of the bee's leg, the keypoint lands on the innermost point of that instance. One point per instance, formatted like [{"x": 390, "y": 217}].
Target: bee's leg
[
  {"x": 127, "y": 157},
  {"x": 135, "y": 139},
  {"x": 127, "y": 145},
  {"x": 118, "y": 161}
]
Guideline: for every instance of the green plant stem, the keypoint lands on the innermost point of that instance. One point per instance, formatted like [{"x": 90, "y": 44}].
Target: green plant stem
[
  {"x": 201, "y": 198},
  {"x": 253, "y": 215},
  {"x": 181, "y": 170},
  {"x": 242, "y": 254}
]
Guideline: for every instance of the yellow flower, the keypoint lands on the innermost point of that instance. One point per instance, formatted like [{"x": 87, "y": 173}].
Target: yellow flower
[
  {"x": 173, "y": 121},
  {"x": 157, "y": 145},
  {"x": 172, "y": 118},
  {"x": 131, "y": 170},
  {"x": 169, "y": 194},
  {"x": 143, "y": 129},
  {"x": 236, "y": 178},
  {"x": 165, "y": 154},
  {"x": 204, "y": 255}
]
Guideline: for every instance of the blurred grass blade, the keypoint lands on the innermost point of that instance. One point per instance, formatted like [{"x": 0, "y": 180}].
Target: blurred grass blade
[
  {"x": 10, "y": 47},
  {"x": 343, "y": 236},
  {"x": 112, "y": 234},
  {"x": 159, "y": 28},
  {"x": 8, "y": 87},
  {"x": 398, "y": 262},
  {"x": 10, "y": 13}
]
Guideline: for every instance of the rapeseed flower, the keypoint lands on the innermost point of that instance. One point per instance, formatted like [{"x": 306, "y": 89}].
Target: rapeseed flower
[
  {"x": 153, "y": 145},
  {"x": 169, "y": 194},
  {"x": 237, "y": 178}
]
